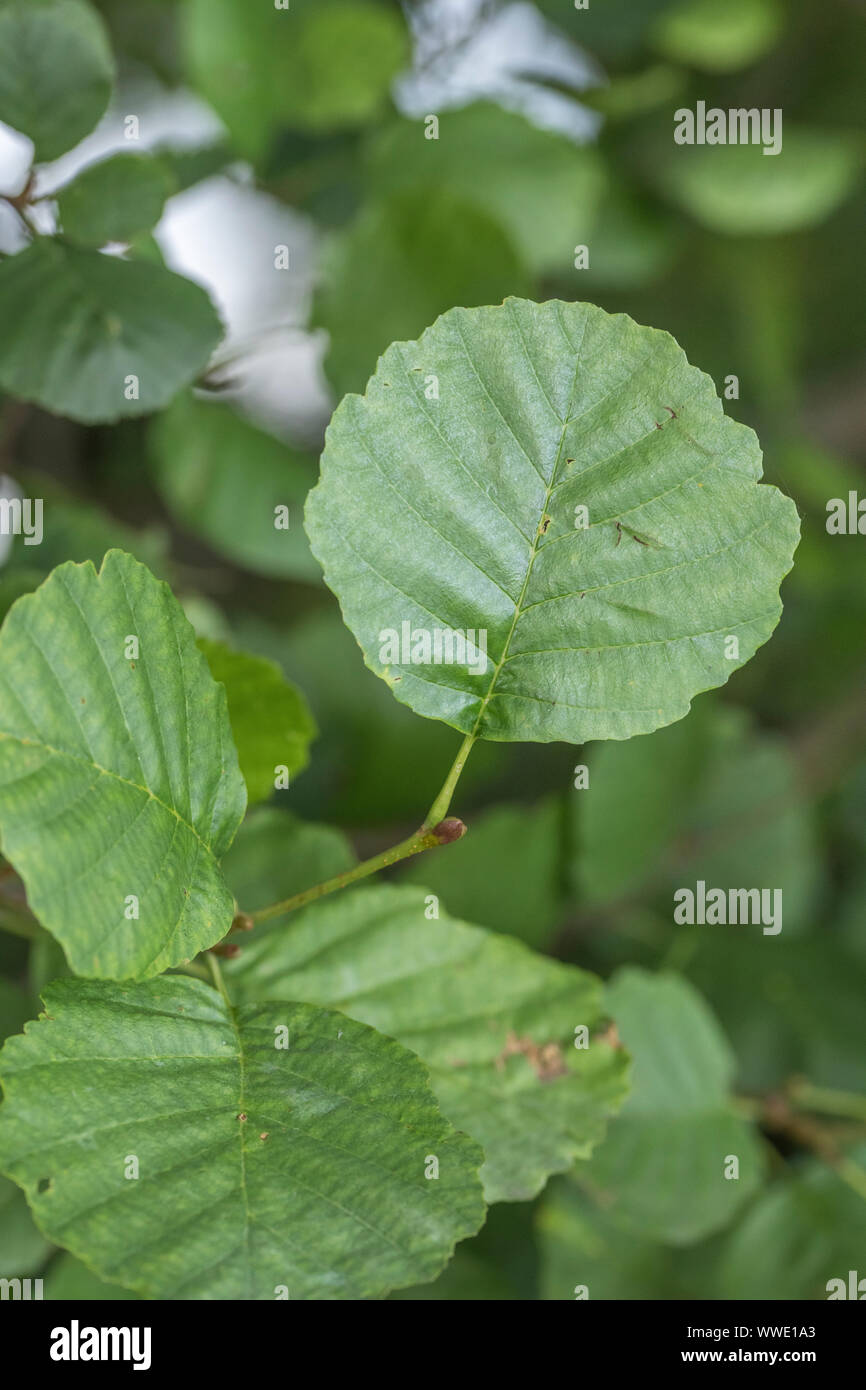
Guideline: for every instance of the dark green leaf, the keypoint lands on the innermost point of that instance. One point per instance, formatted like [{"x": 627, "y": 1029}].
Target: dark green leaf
[
  {"x": 661, "y": 1171},
  {"x": 259, "y": 1166},
  {"x": 239, "y": 510},
  {"x": 542, "y": 188},
  {"x": 115, "y": 200},
  {"x": 805, "y": 1230},
  {"x": 56, "y": 71},
  {"x": 316, "y": 65},
  {"x": 96, "y": 338}
]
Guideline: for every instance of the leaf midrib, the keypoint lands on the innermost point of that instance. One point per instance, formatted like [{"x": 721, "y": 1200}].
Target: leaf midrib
[
  {"x": 518, "y": 607},
  {"x": 108, "y": 772}
]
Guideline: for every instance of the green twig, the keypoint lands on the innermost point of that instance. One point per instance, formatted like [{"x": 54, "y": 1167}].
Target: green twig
[
  {"x": 846, "y": 1104},
  {"x": 437, "y": 829},
  {"x": 218, "y": 980},
  {"x": 439, "y": 810},
  {"x": 190, "y": 967},
  {"x": 777, "y": 1113}
]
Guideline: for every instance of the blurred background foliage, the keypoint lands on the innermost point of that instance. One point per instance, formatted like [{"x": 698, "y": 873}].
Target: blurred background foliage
[{"x": 555, "y": 129}]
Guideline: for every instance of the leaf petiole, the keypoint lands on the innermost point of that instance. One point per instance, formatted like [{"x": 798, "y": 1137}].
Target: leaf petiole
[
  {"x": 437, "y": 829},
  {"x": 217, "y": 975}
]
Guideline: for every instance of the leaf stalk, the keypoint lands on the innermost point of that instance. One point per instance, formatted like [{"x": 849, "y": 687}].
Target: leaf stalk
[{"x": 438, "y": 828}]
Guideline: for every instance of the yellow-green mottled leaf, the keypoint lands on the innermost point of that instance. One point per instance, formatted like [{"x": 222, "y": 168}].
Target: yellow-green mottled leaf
[{"x": 271, "y": 723}]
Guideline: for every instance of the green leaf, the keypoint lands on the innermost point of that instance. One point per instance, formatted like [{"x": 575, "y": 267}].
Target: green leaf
[
  {"x": 275, "y": 855},
  {"x": 56, "y": 71},
  {"x": 637, "y": 804},
  {"x": 542, "y": 188},
  {"x": 717, "y": 38},
  {"x": 319, "y": 65},
  {"x": 115, "y": 200},
  {"x": 260, "y": 1166},
  {"x": 271, "y": 723},
  {"x": 23, "y": 1248},
  {"x": 807, "y": 1228},
  {"x": 458, "y": 514},
  {"x": 120, "y": 779},
  {"x": 494, "y": 1023},
  {"x": 407, "y": 259},
  {"x": 726, "y": 805},
  {"x": 737, "y": 190},
  {"x": 580, "y": 1245},
  {"x": 195, "y": 448},
  {"x": 635, "y": 94},
  {"x": 86, "y": 332},
  {"x": 191, "y": 166},
  {"x": 467, "y": 1278},
  {"x": 661, "y": 1169},
  {"x": 506, "y": 874}
]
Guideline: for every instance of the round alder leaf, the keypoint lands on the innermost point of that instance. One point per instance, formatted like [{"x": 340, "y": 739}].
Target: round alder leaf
[
  {"x": 96, "y": 338},
  {"x": 665, "y": 1169},
  {"x": 805, "y": 1230},
  {"x": 282, "y": 1150},
  {"x": 114, "y": 200},
  {"x": 251, "y": 514},
  {"x": 316, "y": 65},
  {"x": 737, "y": 190},
  {"x": 540, "y": 525},
  {"x": 56, "y": 71},
  {"x": 541, "y": 187},
  {"x": 574, "y": 1233},
  {"x": 271, "y": 722},
  {"x": 495, "y": 1023},
  {"x": 120, "y": 781},
  {"x": 717, "y": 38}
]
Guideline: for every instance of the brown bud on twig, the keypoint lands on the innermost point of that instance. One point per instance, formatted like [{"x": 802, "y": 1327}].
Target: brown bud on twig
[
  {"x": 242, "y": 921},
  {"x": 226, "y": 949},
  {"x": 449, "y": 830}
]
